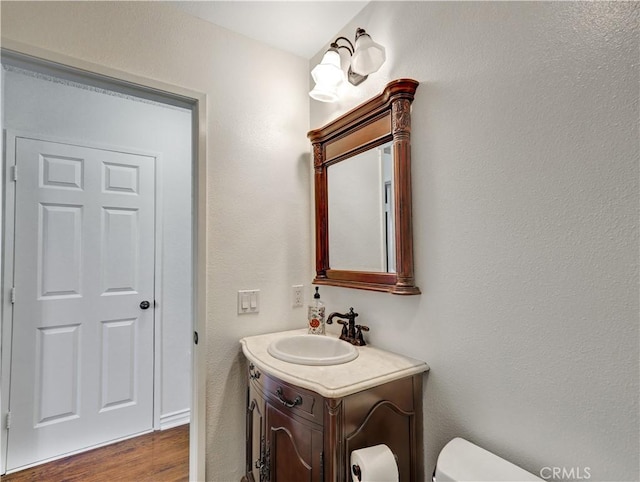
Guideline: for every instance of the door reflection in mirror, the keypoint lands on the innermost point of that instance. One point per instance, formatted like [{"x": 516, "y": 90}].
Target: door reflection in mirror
[{"x": 360, "y": 204}]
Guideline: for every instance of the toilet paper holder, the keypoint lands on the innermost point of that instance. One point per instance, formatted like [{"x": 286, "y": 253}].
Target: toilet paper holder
[{"x": 355, "y": 470}]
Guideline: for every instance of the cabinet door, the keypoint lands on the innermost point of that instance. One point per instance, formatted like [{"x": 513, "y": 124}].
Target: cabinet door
[
  {"x": 256, "y": 470},
  {"x": 294, "y": 448}
]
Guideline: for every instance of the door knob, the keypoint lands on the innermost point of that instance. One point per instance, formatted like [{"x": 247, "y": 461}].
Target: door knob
[{"x": 145, "y": 304}]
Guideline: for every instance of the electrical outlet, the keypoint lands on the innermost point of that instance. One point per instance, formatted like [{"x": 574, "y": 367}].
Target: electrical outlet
[{"x": 297, "y": 294}]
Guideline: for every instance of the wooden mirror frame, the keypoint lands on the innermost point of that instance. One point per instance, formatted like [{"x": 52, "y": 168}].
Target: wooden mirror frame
[{"x": 384, "y": 118}]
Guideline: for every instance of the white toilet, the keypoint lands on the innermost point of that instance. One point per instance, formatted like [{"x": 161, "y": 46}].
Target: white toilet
[{"x": 462, "y": 461}]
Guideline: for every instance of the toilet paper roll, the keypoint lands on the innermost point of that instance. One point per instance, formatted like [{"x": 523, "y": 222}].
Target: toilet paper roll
[{"x": 374, "y": 464}]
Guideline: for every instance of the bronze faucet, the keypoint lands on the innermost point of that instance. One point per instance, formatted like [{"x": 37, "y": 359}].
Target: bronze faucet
[{"x": 351, "y": 332}]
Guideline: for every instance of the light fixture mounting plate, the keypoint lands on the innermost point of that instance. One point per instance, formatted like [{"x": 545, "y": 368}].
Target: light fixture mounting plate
[{"x": 355, "y": 79}]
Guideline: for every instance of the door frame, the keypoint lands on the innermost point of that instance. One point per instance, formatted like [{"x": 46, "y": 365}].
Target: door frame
[{"x": 93, "y": 74}]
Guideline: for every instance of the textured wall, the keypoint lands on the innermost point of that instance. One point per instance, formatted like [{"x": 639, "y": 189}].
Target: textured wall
[
  {"x": 525, "y": 178},
  {"x": 258, "y": 165}
]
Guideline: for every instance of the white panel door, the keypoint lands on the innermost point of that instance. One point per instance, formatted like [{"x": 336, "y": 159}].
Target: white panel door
[{"x": 82, "y": 356}]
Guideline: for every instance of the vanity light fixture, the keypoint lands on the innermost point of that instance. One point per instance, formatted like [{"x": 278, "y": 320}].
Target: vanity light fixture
[{"x": 366, "y": 58}]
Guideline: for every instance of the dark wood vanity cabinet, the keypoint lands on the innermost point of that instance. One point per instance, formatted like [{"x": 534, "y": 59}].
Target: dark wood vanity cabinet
[{"x": 297, "y": 435}]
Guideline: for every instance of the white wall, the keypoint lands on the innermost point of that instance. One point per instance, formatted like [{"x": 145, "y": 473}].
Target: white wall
[
  {"x": 525, "y": 205},
  {"x": 258, "y": 165},
  {"x": 46, "y": 106}
]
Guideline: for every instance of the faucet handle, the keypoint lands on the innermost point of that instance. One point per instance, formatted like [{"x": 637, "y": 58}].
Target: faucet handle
[{"x": 359, "y": 338}]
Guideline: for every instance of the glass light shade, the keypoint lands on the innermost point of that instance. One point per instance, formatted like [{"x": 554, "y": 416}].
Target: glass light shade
[
  {"x": 324, "y": 94},
  {"x": 368, "y": 56},
  {"x": 328, "y": 76}
]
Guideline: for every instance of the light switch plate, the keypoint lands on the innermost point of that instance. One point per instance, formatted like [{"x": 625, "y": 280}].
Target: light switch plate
[{"x": 248, "y": 301}]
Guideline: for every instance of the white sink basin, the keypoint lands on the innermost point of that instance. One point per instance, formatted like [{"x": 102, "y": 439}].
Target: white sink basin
[{"x": 312, "y": 350}]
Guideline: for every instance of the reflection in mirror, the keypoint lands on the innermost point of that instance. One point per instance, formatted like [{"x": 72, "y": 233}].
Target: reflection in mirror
[{"x": 360, "y": 197}]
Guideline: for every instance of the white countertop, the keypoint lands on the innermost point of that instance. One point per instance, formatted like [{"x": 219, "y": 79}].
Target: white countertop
[{"x": 373, "y": 367}]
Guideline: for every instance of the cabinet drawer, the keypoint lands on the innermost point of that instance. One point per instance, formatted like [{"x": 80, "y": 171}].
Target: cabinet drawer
[{"x": 299, "y": 401}]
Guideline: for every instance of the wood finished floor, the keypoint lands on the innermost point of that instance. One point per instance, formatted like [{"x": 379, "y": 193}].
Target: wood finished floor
[{"x": 155, "y": 457}]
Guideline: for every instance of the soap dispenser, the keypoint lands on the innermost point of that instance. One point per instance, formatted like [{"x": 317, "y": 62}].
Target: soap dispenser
[{"x": 316, "y": 315}]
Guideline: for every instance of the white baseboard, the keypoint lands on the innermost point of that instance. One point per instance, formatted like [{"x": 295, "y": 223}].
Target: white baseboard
[{"x": 174, "y": 419}]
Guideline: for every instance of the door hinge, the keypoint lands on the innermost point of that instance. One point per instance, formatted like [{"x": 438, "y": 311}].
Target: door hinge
[
  {"x": 13, "y": 295},
  {"x": 195, "y": 337},
  {"x": 7, "y": 421},
  {"x": 14, "y": 173}
]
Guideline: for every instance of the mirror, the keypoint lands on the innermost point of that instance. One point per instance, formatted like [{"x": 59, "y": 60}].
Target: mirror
[
  {"x": 362, "y": 164},
  {"x": 360, "y": 196}
]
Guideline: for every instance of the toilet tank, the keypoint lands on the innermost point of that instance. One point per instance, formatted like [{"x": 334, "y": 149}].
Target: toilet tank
[{"x": 460, "y": 460}]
